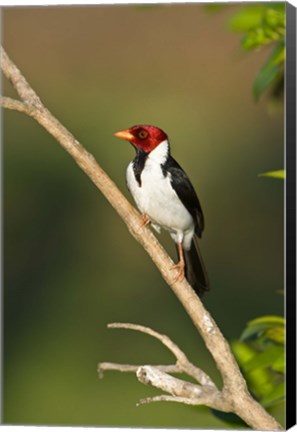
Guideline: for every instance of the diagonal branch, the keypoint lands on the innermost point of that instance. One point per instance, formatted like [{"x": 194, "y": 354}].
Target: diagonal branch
[{"x": 235, "y": 389}]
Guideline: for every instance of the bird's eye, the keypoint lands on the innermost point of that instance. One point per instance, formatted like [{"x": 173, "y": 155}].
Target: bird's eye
[{"x": 142, "y": 134}]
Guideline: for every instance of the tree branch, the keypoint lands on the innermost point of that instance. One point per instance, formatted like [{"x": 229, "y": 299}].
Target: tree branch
[
  {"x": 198, "y": 395},
  {"x": 180, "y": 390},
  {"x": 14, "y": 104},
  {"x": 167, "y": 398},
  {"x": 108, "y": 366},
  {"x": 182, "y": 362},
  {"x": 234, "y": 390}
]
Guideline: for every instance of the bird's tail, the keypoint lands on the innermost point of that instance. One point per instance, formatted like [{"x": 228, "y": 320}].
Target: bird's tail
[{"x": 195, "y": 270}]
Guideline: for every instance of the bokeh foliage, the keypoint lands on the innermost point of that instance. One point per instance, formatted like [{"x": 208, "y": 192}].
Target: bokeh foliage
[
  {"x": 264, "y": 25},
  {"x": 260, "y": 351},
  {"x": 278, "y": 174}
]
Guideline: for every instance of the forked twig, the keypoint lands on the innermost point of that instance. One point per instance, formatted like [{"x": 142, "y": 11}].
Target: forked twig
[
  {"x": 182, "y": 362},
  {"x": 204, "y": 393}
]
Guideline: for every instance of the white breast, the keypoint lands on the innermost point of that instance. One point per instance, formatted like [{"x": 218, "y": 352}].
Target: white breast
[{"x": 156, "y": 197}]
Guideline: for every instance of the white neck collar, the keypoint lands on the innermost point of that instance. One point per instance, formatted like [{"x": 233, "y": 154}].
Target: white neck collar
[{"x": 160, "y": 153}]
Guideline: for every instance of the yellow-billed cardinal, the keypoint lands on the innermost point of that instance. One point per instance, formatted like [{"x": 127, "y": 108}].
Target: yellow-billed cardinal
[{"x": 166, "y": 198}]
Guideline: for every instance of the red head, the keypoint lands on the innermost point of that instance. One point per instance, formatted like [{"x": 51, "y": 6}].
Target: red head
[{"x": 143, "y": 137}]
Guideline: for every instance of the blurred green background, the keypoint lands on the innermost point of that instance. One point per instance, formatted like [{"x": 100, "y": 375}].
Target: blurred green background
[{"x": 70, "y": 264}]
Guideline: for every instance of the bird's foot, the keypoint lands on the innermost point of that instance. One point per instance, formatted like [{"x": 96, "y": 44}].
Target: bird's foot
[
  {"x": 180, "y": 266},
  {"x": 145, "y": 220}
]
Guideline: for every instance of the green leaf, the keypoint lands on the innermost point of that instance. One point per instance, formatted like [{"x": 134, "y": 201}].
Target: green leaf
[
  {"x": 276, "y": 334},
  {"x": 265, "y": 358},
  {"x": 255, "y": 16},
  {"x": 279, "y": 174},
  {"x": 265, "y": 78},
  {"x": 274, "y": 18},
  {"x": 268, "y": 319},
  {"x": 270, "y": 71},
  {"x": 276, "y": 396},
  {"x": 242, "y": 351},
  {"x": 261, "y": 325},
  {"x": 278, "y": 55},
  {"x": 259, "y": 380},
  {"x": 279, "y": 364},
  {"x": 255, "y": 38},
  {"x": 247, "y": 18}
]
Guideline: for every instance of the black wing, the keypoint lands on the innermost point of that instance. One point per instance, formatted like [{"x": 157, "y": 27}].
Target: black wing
[{"x": 185, "y": 191}]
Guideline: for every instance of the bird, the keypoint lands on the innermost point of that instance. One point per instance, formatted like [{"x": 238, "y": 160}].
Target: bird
[{"x": 167, "y": 199}]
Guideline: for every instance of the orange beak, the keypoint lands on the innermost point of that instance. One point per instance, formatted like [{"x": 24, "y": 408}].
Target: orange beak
[{"x": 125, "y": 134}]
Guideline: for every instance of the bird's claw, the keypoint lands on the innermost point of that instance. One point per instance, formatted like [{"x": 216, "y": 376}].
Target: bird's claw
[
  {"x": 145, "y": 220},
  {"x": 180, "y": 266}
]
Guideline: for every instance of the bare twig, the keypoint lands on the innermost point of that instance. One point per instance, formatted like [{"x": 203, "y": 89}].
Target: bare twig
[
  {"x": 168, "y": 398},
  {"x": 201, "y": 395},
  {"x": 151, "y": 375},
  {"x": 16, "y": 105},
  {"x": 107, "y": 366},
  {"x": 234, "y": 389},
  {"x": 182, "y": 361},
  {"x": 157, "y": 376}
]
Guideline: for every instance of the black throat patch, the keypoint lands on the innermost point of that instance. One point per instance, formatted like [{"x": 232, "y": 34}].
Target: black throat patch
[{"x": 138, "y": 164}]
